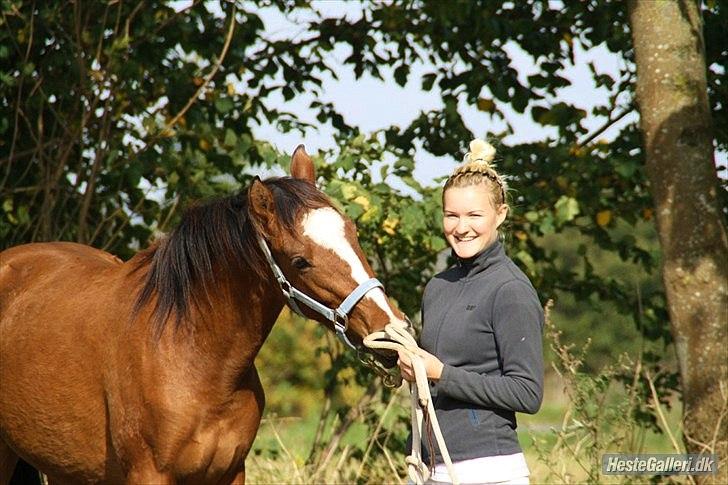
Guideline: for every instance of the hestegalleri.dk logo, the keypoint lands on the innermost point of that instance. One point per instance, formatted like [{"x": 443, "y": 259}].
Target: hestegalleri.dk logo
[{"x": 659, "y": 464}]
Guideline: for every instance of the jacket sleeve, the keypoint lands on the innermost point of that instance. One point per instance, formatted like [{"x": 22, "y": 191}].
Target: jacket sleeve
[{"x": 518, "y": 327}]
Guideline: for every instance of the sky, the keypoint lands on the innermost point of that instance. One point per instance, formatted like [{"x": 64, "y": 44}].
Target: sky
[{"x": 372, "y": 104}]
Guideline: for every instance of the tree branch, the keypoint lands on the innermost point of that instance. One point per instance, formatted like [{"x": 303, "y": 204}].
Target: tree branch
[
  {"x": 19, "y": 98},
  {"x": 209, "y": 76},
  {"x": 608, "y": 124}
]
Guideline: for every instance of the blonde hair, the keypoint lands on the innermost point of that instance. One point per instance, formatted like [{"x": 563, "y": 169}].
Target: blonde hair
[{"x": 478, "y": 170}]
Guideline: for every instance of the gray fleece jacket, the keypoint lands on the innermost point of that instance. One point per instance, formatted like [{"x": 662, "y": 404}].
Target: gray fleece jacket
[{"x": 483, "y": 319}]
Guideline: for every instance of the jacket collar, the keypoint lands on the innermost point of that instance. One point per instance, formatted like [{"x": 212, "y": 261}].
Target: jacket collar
[{"x": 488, "y": 257}]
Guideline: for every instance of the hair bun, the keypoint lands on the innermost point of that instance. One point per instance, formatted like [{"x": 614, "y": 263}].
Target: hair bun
[
  {"x": 480, "y": 150},
  {"x": 477, "y": 170}
]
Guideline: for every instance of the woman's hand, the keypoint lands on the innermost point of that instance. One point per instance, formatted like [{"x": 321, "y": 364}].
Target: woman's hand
[{"x": 433, "y": 366}]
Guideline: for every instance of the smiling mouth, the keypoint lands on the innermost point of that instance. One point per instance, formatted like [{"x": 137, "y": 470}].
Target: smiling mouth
[{"x": 465, "y": 239}]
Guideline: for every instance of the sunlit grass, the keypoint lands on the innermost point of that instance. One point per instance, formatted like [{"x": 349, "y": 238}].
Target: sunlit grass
[{"x": 283, "y": 445}]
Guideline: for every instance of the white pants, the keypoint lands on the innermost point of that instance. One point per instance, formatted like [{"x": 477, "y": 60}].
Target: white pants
[
  {"x": 513, "y": 481},
  {"x": 486, "y": 470}
]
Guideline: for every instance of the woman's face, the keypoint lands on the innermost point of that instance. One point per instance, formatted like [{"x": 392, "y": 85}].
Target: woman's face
[{"x": 470, "y": 220}]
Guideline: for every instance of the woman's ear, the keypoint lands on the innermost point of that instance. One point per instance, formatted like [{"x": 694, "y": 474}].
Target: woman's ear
[
  {"x": 302, "y": 165},
  {"x": 501, "y": 214}
]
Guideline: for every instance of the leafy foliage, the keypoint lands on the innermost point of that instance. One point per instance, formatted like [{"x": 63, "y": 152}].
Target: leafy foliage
[
  {"x": 114, "y": 115},
  {"x": 97, "y": 144}
]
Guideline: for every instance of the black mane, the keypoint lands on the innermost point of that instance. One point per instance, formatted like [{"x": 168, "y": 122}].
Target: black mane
[{"x": 214, "y": 235}]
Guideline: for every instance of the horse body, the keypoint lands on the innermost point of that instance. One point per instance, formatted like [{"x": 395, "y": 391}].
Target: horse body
[
  {"x": 142, "y": 371},
  {"x": 187, "y": 408},
  {"x": 39, "y": 350}
]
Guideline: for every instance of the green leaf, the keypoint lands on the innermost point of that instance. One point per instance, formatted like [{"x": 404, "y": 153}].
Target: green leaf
[
  {"x": 626, "y": 168},
  {"x": 412, "y": 217},
  {"x": 546, "y": 226},
  {"x": 23, "y": 215},
  {"x": 411, "y": 182},
  {"x": 566, "y": 209},
  {"x": 173, "y": 180},
  {"x": 348, "y": 191},
  {"x": 406, "y": 165},
  {"x": 8, "y": 208},
  {"x": 134, "y": 174},
  {"x": 384, "y": 171},
  {"x": 401, "y": 73},
  {"x": 224, "y": 104},
  {"x": 230, "y": 138},
  {"x": 428, "y": 80},
  {"x": 245, "y": 141},
  {"x": 527, "y": 260},
  {"x": 358, "y": 141},
  {"x": 354, "y": 210},
  {"x": 437, "y": 243}
]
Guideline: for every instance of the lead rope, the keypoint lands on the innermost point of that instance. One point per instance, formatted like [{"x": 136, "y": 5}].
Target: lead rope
[{"x": 396, "y": 337}]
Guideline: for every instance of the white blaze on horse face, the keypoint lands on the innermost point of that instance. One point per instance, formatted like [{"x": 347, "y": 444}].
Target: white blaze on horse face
[{"x": 325, "y": 227}]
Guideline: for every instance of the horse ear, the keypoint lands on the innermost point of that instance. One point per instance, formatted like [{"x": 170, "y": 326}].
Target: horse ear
[
  {"x": 302, "y": 165},
  {"x": 261, "y": 206}
]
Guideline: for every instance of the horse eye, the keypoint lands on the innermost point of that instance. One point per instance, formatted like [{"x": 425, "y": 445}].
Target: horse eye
[{"x": 300, "y": 263}]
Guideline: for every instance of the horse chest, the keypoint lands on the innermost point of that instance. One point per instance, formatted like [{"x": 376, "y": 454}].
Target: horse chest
[
  {"x": 208, "y": 449},
  {"x": 213, "y": 451}
]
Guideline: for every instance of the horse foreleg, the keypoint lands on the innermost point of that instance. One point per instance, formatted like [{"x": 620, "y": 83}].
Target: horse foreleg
[
  {"x": 239, "y": 479},
  {"x": 8, "y": 460}
]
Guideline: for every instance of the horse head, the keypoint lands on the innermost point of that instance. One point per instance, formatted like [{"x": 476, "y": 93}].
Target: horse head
[{"x": 319, "y": 264}]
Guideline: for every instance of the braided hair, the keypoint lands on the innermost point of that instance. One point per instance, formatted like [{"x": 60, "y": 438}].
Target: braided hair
[{"x": 478, "y": 170}]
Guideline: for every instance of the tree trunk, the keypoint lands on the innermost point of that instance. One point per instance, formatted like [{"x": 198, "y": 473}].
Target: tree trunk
[{"x": 677, "y": 130}]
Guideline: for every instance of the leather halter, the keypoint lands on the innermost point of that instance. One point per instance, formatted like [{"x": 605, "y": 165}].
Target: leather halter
[{"x": 339, "y": 316}]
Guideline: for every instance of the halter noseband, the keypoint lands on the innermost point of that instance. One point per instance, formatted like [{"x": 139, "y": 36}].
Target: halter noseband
[{"x": 339, "y": 316}]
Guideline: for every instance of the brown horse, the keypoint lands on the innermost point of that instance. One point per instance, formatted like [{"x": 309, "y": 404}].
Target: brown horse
[{"x": 142, "y": 372}]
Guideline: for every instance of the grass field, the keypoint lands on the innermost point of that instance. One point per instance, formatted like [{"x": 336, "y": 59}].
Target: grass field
[{"x": 283, "y": 444}]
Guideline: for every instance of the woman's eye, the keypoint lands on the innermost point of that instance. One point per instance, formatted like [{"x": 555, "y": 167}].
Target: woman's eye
[{"x": 300, "y": 263}]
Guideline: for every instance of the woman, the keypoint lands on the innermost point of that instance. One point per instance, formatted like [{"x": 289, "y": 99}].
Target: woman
[{"x": 482, "y": 327}]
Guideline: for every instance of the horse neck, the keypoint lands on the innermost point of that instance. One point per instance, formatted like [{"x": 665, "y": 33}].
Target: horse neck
[{"x": 221, "y": 338}]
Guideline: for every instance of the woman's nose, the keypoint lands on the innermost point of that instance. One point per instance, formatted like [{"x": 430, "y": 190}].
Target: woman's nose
[{"x": 462, "y": 227}]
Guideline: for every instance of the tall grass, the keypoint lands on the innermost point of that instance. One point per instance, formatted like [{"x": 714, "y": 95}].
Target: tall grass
[
  {"x": 366, "y": 445},
  {"x": 617, "y": 409}
]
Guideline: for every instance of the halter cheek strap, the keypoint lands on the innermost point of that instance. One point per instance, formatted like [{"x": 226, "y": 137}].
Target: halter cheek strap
[{"x": 339, "y": 316}]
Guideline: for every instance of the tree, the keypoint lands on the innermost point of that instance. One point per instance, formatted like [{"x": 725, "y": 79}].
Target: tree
[{"x": 677, "y": 128}]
